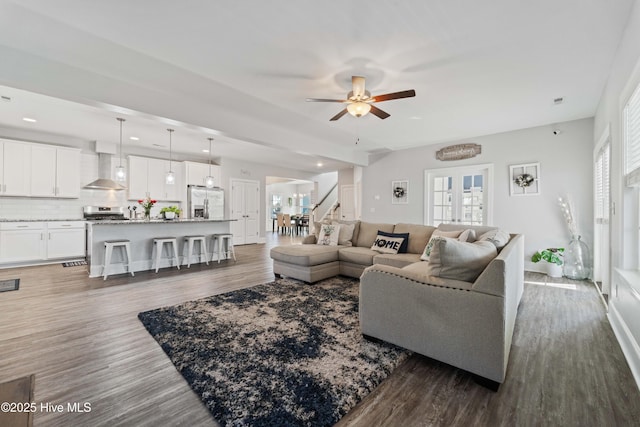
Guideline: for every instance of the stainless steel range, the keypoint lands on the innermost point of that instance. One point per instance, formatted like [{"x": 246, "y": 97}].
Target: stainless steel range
[{"x": 96, "y": 213}]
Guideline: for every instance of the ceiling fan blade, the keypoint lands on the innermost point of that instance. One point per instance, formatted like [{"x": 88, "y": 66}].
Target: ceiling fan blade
[
  {"x": 394, "y": 95},
  {"x": 378, "y": 112},
  {"x": 358, "y": 86},
  {"x": 325, "y": 100},
  {"x": 337, "y": 116}
]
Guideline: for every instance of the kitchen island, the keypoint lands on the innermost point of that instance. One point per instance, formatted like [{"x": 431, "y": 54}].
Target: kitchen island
[{"x": 141, "y": 234}]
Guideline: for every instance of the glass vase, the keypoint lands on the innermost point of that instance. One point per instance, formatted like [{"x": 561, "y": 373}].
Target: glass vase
[
  {"x": 577, "y": 260},
  {"x": 147, "y": 214}
]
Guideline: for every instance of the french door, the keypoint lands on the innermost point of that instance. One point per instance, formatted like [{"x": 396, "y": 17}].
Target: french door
[{"x": 459, "y": 195}]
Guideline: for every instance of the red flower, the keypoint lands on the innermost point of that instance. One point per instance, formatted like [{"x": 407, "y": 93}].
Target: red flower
[{"x": 140, "y": 201}]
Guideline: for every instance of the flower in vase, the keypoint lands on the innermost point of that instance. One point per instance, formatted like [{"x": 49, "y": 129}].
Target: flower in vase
[{"x": 147, "y": 203}]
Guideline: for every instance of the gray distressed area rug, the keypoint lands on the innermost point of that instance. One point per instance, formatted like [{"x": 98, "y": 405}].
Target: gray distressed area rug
[{"x": 280, "y": 354}]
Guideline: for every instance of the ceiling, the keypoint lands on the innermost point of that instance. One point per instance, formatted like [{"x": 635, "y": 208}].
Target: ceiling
[{"x": 241, "y": 71}]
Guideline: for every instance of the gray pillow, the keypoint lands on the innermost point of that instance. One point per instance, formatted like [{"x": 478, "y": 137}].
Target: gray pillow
[
  {"x": 458, "y": 260},
  {"x": 498, "y": 237}
]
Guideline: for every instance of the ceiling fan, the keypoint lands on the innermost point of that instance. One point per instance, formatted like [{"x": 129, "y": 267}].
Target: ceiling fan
[{"x": 359, "y": 101}]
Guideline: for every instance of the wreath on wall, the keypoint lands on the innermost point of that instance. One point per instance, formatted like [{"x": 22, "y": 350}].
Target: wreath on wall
[
  {"x": 524, "y": 180},
  {"x": 398, "y": 192}
]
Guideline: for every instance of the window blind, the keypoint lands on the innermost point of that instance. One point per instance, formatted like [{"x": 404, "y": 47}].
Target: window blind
[
  {"x": 602, "y": 185},
  {"x": 632, "y": 139}
]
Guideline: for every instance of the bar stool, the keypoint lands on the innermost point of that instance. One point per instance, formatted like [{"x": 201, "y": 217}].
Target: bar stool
[
  {"x": 108, "y": 251},
  {"x": 156, "y": 254},
  {"x": 187, "y": 249},
  {"x": 222, "y": 245}
]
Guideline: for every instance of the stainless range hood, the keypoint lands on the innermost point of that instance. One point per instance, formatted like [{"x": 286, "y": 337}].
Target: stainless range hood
[{"x": 104, "y": 169}]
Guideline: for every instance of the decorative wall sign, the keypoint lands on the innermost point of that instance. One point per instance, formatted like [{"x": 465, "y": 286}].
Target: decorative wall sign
[
  {"x": 525, "y": 179},
  {"x": 400, "y": 192},
  {"x": 458, "y": 152}
]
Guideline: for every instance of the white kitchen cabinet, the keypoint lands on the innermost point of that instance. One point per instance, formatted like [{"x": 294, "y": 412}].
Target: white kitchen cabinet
[
  {"x": 15, "y": 168},
  {"x": 147, "y": 175},
  {"x": 196, "y": 173},
  {"x": 55, "y": 171},
  {"x": 22, "y": 241},
  {"x": 65, "y": 239},
  {"x": 67, "y": 173}
]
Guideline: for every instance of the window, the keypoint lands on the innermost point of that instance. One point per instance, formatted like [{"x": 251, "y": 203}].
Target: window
[
  {"x": 459, "y": 195},
  {"x": 632, "y": 138},
  {"x": 602, "y": 200}
]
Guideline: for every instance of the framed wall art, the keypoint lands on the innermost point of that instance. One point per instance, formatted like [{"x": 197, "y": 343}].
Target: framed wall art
[
  {"x": 399, "y": 192},
  {"x": 525, "y": 179}
]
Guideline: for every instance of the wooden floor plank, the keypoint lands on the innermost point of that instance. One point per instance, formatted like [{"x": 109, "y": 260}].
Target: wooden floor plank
[{"x": 83, "y": 341}]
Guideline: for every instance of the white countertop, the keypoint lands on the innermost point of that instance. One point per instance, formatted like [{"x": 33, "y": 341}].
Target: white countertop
[{"x": 156, "y": 221}]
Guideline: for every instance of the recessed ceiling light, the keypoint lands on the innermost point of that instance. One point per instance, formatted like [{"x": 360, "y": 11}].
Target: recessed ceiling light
[
  {"x": 158, "y": 145},
  {"x": 134, "y": 138},
  {"x": 29, "y": 119},
  {"x": 5, "y": 98},
  {"x": 319, "y": 164},
  {"x": 415, "y": 118},
  {"x": 559, "y": 100},
  {"x": 205, "y": 151}
]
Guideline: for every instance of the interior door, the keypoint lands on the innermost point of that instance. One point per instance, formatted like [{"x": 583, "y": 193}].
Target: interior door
[
  {"x": 245, "y": 209},
  {"x": 347, "y": 203}
]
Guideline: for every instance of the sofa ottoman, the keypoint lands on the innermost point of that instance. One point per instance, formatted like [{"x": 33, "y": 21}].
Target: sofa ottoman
[{"x": 309, "y": 263}]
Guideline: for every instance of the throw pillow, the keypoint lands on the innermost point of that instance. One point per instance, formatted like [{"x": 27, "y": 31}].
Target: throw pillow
[
  {"x": 346, "y": 232},
  {"x": 405, "y": 243},
  {"x": 468, "y": 235},
  {"x": 386, "y": 244},
  {"x": 498, "y": 237},
  {"x": 328, "y": 235},
  {"x": 438, "y": 233},
  {"x": 453, "y": 259}
]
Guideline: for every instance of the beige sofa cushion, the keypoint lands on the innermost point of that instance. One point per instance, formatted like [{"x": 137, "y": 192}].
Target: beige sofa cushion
[
  {"x": 348, "y": 235},
  {"x": 397, "y": 260},
  {"x": 357, "y": 255},
  {"x": 418, "y": 236},
  {"x": 305, "y": 255},
  {"x": 458, "y": 260},
  {"x": 369, "y": 231}
]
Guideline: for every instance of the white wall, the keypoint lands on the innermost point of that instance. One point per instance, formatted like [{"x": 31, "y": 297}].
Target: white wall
[{"x": 565, "y": 163}]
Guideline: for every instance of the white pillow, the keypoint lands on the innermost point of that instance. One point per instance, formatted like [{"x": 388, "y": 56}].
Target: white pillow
[
  {"x": 387, "y": 245},
  {"x": 439, "y": 233},
  {"x": 346, "y": 233},
  {"x": 453, "y": 259},
  {"x": 498, "y": 237},
  {"x": 328, "y": 235}
]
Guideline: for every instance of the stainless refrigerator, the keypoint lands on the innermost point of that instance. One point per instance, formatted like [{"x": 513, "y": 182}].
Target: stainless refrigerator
[{"x": 205, "y": 202}]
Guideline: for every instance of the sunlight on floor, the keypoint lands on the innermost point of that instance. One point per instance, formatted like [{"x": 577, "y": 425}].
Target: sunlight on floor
[{"x": 554, "y": 285}]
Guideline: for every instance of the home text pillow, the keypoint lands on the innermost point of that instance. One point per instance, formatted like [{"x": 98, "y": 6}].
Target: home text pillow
[
  {"x": 387, "y": 245},
  {"x": 498, "y": 237},
  {"x": 438, "y": 233},
  {"x": 346, "y": 232},
  {"x": 328, "y": 235},
  {"x": 405, "y": 243},
  {"x": 453, "y": 259}
]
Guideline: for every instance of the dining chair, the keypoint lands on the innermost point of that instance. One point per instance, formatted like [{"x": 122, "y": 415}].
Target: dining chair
[
  {"x": 304, "y": 223},
  {"x": 287, "y": 223},
  {"x": 282, "y": 225}
]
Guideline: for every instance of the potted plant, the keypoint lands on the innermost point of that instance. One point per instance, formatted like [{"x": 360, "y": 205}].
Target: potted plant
[
  {"x": 553, "y": 257},
  {"x": 170, "y": 212}
]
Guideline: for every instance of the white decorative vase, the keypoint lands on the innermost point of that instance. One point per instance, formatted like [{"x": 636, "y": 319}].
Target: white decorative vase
[
  {"x": 554, "y": 270},
  {"x": 169, "y": 215}
]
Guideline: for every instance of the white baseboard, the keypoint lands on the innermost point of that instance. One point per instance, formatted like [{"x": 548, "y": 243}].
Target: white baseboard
[{"x": 629, "y": 345}]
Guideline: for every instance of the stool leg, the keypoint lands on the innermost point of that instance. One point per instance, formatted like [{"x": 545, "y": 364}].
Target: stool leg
[
  {"x": 220, "y": 247},
  {"x": 203, "y": 248},
  {"x": 175, "y": 253},
  {"x": 232, "y": 249},
  {"x": 127, "y": 249},
  {"x": 158, "y": 248},
  {"x": 107, "y": 260},
  {"x": 190, "y": 253}
]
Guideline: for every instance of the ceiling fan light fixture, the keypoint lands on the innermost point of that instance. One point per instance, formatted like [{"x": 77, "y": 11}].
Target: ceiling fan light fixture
[{"x": 358, "y": 109}]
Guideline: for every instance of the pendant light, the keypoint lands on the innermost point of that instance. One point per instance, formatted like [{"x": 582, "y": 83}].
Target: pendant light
[
  {"x": 209, "y": 181},
  {"x": 170, "y": 177},
  {"x": 121, "y": 175}
]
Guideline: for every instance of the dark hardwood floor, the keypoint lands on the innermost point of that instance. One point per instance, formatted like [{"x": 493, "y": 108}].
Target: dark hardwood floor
[{"x": 83, "y": 341}]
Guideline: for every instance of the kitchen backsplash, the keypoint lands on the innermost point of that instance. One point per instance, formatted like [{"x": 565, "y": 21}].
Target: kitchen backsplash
[{"x": 38, "y": 208}]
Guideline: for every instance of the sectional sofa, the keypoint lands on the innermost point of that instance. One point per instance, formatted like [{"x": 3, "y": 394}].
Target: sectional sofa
[{"x": 452, "y": 308}]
